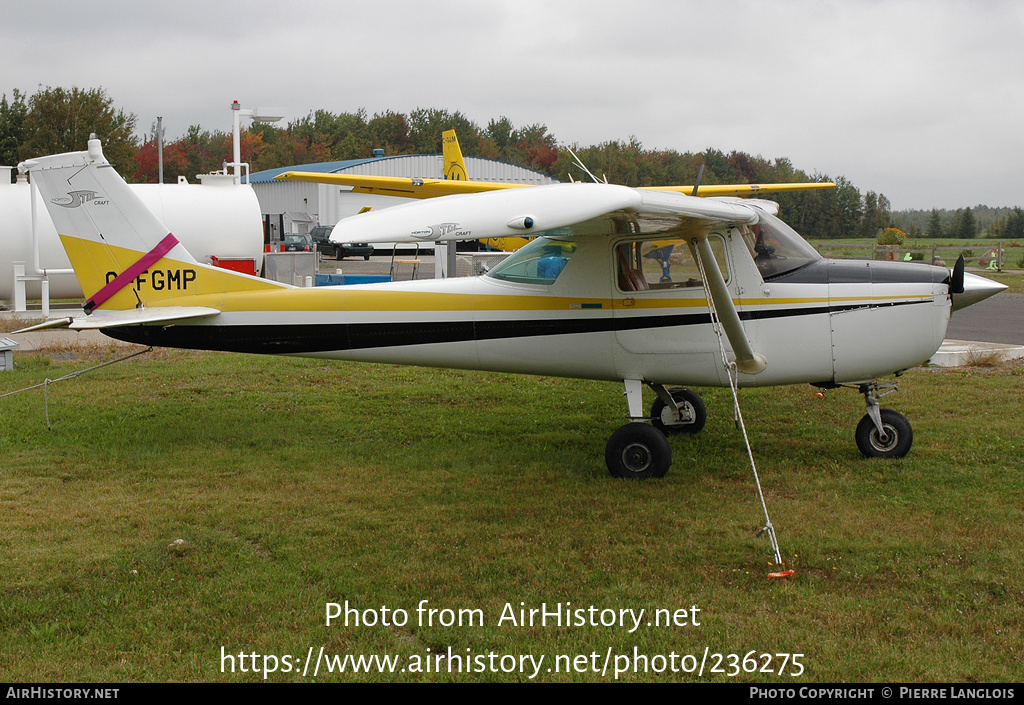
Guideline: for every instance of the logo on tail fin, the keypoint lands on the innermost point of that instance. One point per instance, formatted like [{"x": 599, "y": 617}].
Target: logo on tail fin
[
  {"x": 454, "y": 164},
  {"x": 74, "y": 199}
]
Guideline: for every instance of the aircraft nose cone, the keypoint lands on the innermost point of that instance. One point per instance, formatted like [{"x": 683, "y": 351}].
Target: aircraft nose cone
[{"x": 975, "y": 289}]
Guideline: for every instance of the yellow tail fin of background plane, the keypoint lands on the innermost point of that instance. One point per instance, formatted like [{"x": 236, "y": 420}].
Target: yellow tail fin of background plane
[{"x": 454, "y": 164}]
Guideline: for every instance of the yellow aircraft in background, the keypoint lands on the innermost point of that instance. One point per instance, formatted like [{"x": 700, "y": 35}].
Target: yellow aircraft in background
[
  {"x": 454, "y": 164},
  {"x": 456, "y": 181},
  {"x": 412, "y": 187}
]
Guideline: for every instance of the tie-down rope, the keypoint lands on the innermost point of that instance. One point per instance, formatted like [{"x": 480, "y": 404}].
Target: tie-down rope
[
  {"x": 46, "y": 383},
  {"x": 733, "y": 374}
]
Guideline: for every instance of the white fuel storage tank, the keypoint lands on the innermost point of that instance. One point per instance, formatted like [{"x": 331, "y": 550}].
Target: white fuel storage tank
[{"x": 217, "y": 218}]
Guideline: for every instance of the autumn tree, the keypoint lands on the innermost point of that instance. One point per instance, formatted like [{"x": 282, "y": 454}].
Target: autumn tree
[
  {"x": 389, "y": 131},
  {"x": 531, "y": 146},
  {"x": 287, "y": 148},
  {"x": 61, "y": 120},
  {"x": 147, "y": 163}
]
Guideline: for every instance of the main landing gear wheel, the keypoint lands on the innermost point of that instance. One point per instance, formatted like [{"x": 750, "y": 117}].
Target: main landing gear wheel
[
  {"x": 638, "y": 450},
  {"x": 894, "y": 442},
  {"x": 691, "y": 406}
]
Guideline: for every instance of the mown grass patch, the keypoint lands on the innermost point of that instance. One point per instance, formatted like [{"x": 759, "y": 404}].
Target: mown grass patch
[{"x": 292, "y": 483}]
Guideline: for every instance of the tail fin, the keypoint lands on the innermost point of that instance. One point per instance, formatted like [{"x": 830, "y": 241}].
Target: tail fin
[
  {"x": 454, "y": 164},
  {"x": 123, "y": 256}
]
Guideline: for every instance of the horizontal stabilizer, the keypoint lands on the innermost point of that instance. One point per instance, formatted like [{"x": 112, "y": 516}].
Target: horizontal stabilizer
[
  {"x": 141, "y": 316},
  {"x": 46, "y": 325},
  {"x": 131, "y": 317}
]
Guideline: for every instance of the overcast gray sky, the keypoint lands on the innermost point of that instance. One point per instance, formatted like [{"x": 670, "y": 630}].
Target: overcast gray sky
[{"x": 921, "y": 101}]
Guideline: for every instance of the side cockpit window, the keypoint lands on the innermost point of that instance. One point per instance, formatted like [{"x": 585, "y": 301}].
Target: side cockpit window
[{"x": 658, "y": 264}]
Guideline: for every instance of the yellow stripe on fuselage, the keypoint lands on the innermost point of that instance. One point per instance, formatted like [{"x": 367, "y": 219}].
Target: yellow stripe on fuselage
[
  {"x": 171, "y": 282},
  {"x": 380, "y": 298},
  {"x": 166, "y": 282}
]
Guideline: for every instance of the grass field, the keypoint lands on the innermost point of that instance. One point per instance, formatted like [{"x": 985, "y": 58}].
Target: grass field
[{"x": 294, "y": 483}]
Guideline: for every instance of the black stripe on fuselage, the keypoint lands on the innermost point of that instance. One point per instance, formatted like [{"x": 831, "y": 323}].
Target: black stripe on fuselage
[{"x": 301, "y": 339}]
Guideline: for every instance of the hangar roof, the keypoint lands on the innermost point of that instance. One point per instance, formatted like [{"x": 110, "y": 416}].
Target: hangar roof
[
  {"x": 425, "y": 166},
  {"x": 262, "y": 177}
]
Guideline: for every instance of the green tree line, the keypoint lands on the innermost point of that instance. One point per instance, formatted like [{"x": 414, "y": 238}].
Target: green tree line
[
  {"x": 58, "y": 120},
  {"x": 963, "y": 223}
]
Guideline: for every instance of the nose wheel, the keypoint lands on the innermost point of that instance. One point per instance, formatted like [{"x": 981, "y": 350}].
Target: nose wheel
[
  {"x": 882, "y": 433},
  {"x": 892, "y": 441}
]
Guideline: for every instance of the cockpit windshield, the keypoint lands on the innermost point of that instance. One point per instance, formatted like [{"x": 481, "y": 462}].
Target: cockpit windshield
[
  {"x": 539, "y": 262},
  {"x": 777, "y": 248}
]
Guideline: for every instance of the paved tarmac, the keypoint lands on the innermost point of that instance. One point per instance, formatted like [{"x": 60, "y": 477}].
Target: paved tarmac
[{"x": 999, "y": 319}]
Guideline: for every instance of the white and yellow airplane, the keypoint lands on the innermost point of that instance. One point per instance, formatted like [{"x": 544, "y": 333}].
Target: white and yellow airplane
[{"x": 581, "y": 300}]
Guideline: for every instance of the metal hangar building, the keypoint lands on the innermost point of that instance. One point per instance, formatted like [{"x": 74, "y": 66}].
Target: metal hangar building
[{"x": 296, "y": 206}]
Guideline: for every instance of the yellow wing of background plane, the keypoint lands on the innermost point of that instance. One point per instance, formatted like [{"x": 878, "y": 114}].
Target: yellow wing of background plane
[
  {"x": 401, "y": 186},
  {"x": 406, "y": 187}
]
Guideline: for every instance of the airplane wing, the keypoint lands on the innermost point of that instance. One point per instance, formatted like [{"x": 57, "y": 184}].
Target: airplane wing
[
  {"x": 743, "y": 189},
  {"x": 546, "y": 208},
  {"x": 431, "y": 188},
  {"x": 531, "y": 211},
  {"x": 100, "y": 319}
]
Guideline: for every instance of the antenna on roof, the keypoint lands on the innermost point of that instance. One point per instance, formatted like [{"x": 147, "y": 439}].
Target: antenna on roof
[
  {"x": 696, "y": 184},
  {"x": 583, "y": 166}
]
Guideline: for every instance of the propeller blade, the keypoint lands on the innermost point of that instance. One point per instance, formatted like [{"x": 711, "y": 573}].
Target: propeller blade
[{"x": 956, "y": 279}]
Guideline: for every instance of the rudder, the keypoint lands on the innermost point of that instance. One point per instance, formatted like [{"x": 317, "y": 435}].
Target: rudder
[
  {"x": 454, "y": 164},
  {"x": 123, "y": 255}
]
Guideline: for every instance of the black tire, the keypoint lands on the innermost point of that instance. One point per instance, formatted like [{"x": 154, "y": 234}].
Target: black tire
[
  {"x": 338, "y": 254},
  {"x": 898, "y": 436},
  {"x": 639, "y": 451},
  {"x": 683, "y": 397},
  {"x": 366, "y": 257}
]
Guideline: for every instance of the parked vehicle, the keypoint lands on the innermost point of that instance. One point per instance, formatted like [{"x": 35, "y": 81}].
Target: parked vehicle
[
  {"x": 339, "y": 251},
  {"x": 298, "y": 242}
]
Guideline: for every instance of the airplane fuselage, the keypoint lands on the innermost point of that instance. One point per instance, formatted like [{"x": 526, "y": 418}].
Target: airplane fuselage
[{"x": 826, "y": 322}]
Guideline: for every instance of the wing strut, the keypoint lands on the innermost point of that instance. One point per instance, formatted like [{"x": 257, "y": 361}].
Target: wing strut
[
  {"x": 713, "y": 281},
  {"x": 747, "y": 361}
]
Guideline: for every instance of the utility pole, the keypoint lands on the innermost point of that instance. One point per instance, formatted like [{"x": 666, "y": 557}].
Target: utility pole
[{"x": 160, "y": 148}]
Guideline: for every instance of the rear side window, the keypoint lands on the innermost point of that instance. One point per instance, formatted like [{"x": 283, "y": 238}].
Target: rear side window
[{"x": 662, "y": 264}]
